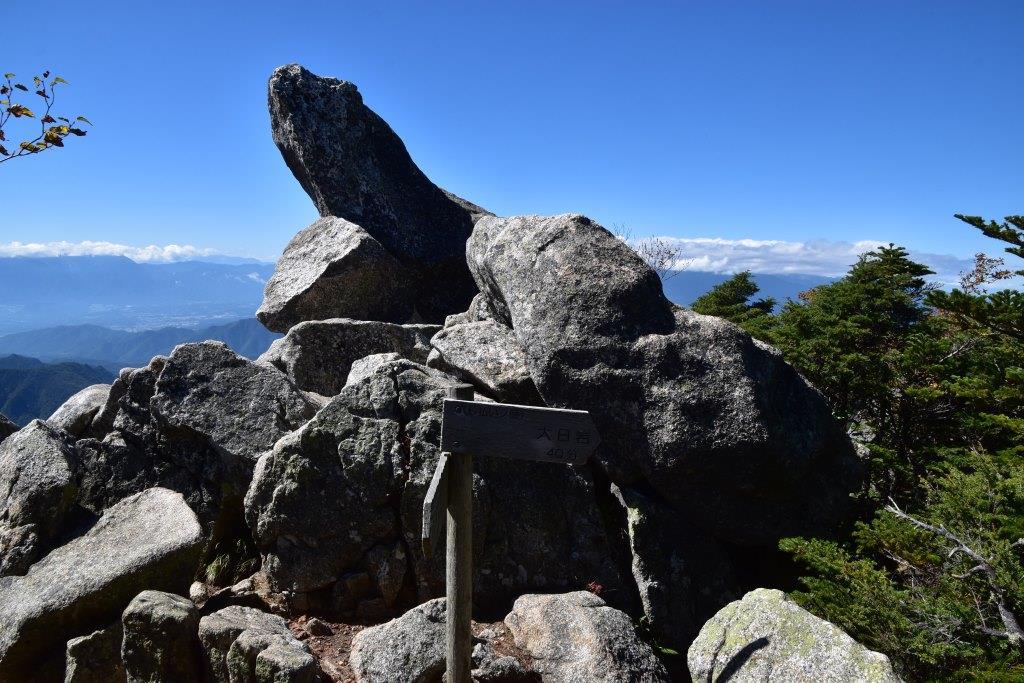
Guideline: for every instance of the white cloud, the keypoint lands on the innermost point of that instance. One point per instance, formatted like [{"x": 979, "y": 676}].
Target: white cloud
[
  {"x": 816, "y": 257},
  {"x": 148, "y": 254}
]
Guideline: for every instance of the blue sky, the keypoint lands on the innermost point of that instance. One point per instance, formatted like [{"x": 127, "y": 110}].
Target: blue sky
[{"x": 810, "y": 123}]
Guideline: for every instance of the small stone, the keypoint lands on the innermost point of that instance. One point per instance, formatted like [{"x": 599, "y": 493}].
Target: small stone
[
  {"x": 95, "y": 658},
  {"x": 219, "y": 631},
  {"x": 316, "y": 627},
  {"x": 409, "y": 648}
]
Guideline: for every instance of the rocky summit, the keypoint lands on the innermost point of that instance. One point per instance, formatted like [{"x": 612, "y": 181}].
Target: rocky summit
[{"x": 189, "y": 519}]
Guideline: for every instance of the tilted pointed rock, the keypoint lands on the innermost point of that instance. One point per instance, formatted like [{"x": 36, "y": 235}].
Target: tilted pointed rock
[{"x": 354, "y": 166}]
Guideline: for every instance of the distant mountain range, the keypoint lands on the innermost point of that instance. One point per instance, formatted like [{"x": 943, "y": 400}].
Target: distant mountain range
[
  {"x": 118, "y": 293},
  {"x": 114, "y": 349},
  {"x": 30, "y": 388},
  {"x": 114, "y": 291},
  {"x": 70, "y": 321}
]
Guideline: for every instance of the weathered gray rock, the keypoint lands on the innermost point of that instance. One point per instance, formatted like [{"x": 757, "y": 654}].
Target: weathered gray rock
[
  {"x": 487, "y": 355},
  {"x": 208, "y": 389},
  {"x": 409, "y": 648},
  {"x": 354, "y": 166},
  {"x": 38, "y": 484},
  {"x": 682, "y": 575},
  {"x": 19, "y": 548},
  {"x": 6, "y": 427},
  {"x": 577, "y": 637},
  {"x": 194, "y": 422},
  {"x": 128, "y": 400},
  {"x": 243, "y": 645},
  {"x": 77, "y": 413},
  {"x": 160, "y": 639},
  {"x": 478, "y": 311},
  {"x": 37, "y": 477},
  {"x": 335, "y": 269},
  {"x": 488, "y": 667},
  {"x": 257, "y": 657},
  {"x": 351, "y": 484},
  {"x": 503, "y": 670},
  {"x": 318, "y": 355},
  {"x": 766, "y": 636},
  {"x": 718, "y": 424},
  {"x": 95, "y": 658},
  {"x": 364, "y": 367},
  {"x": 150, "y": 540}
]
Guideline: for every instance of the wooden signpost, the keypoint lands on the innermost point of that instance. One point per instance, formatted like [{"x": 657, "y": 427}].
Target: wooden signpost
[{"x": 471, "y": 428}]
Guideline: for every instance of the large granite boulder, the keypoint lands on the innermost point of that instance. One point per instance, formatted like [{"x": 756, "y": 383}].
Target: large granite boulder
[
  {"x": 239, "y": 406},
  {"x": 245, "y": 645},
  {"x": 335, "y": 269},
  {"x": 345, "y": 492},
  {"x": 577, "y": 637},
  {"x": 317, "y": 355},
  {"x": 194, "y": 422},
  {"x": 355, "y": 167},
  {"x": 409, "y": 648},
  {"x": 6, "y": 427},
  {"x": 161, "y": 641},
  {"x": 149, "y": 540},
  {"x": 38, "y": 485},
  {"x": 767, "y": 636},
  {"x": 487, "y": 355},
  {"x": 716, "y": 422},
  {"x": 76, "y": 414}
]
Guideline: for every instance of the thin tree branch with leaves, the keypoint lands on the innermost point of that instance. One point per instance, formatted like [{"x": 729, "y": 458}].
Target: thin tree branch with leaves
[{"x": 52, "y": 129}]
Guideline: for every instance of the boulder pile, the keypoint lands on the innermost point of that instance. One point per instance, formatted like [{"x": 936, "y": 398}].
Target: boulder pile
[{"x": 270, "y": 490}]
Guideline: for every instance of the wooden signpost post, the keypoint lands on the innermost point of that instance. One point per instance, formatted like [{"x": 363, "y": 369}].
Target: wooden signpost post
[{"x": 471, "y": 428}]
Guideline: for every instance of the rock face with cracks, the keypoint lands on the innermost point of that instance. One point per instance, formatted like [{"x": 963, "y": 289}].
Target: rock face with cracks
[
  {"x": 347, "y": 489},
  {"x": 151, "y": 540},
  {"x": 767, "y": 636},
  {"x": 717, "y": 423},
  {"x": 194, "y": 422},
  {"x": 355, "y": 167}
]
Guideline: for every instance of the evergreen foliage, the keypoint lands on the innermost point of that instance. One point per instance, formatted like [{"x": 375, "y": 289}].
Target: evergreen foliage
[
  {"x": 931, "y": 384},
  {"x": 732, "y": 300}
]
